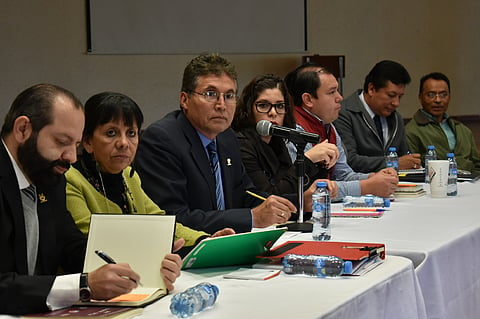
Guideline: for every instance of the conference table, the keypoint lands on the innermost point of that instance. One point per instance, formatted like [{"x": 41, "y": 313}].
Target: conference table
[
  {"x": 390, "y": 290},
  {"x": 442, "y": 238},
  {"x": 438, "y": 237},
  {"x": 431, "y": 269}
]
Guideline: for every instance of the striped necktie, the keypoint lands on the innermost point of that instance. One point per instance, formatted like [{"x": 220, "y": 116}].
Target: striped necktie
[
  {"x": 31, "y": 226},
  {"x": 30, "y": 192},
  {"x": 214, "y": 165}
]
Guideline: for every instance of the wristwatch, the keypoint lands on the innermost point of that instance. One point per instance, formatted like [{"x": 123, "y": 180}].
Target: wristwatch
[{"x": 85, "y": 292}]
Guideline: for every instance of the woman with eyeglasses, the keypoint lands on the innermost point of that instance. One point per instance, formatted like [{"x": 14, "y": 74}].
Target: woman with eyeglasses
[
  {"x": 102, "y": 180},
  {"x": 266, "y": 158}
]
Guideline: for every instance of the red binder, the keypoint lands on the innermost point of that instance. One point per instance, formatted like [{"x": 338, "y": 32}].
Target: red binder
[{"x": 345, "y": 250}]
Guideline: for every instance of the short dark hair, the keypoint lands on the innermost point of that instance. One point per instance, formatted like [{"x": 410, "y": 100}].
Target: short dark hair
[
  {"x": 36, "y": 102},
  {"x": 304, "y": 80},
  {"x": 385, "y": 71},
  {"x": 206, "y": 64},
  {"x": 244, "y": 112},
  {"x": 435, "y": 76},
  {"x": 104, "y": 107}
]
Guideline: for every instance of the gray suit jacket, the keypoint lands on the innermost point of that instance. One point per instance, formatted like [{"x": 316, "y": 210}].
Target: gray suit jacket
[{"x": 365, "y": 151}]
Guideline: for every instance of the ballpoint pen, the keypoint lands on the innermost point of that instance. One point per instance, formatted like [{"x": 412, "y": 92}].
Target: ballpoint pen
[
  {"x": 106, "y": 258},
  {"x": 109, "y": 260}
]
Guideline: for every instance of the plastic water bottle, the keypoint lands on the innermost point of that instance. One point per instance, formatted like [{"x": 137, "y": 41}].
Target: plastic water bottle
[
  {"x": 365, "y": 201},
  {"x": 194, "y": 299},
  {"x": 392, "y": 158},
  {"x": 321, "y": 212},
  {"x": 452, "y": 175},
  {"x": 431, "y": 154},
  {"x": 316, "y": 266}
]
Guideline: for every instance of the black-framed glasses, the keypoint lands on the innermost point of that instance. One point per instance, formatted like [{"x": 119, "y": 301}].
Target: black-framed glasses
[
  {"x": 212, "y": 96},
  {"x": 265, "y": 107},
  {"x": 442, "y": 95}
]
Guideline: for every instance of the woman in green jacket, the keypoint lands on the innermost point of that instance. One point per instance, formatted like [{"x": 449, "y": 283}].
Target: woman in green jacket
[{"x": 102, "y": 180}]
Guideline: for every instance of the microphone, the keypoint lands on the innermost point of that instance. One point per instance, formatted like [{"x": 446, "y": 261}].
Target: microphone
[{"x": 266, "y": 128}]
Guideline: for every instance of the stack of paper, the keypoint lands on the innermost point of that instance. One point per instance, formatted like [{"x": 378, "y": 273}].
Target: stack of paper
[
  {"x": 409, "y": 190},
  {"x": 412, "y": 175}
]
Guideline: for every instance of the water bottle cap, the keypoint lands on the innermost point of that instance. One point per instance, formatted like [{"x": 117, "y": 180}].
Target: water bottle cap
[
  {"x": 430, "y": 147},
  {"x": 321, "y": 184},
  {"x": 215, "y": 289},
  {"x": 386, "y": 202},
  {"x": 347, "y": 267},
  {"x": 450, "y": 155},
  {"x": 392, "y": 149}
]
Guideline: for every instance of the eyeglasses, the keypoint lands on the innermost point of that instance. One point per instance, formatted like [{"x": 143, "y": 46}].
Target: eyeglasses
[
  {"x": 441, "y": 95},
  {"x": 213, "y": 96},
  {"x": 265, "y": 107}
]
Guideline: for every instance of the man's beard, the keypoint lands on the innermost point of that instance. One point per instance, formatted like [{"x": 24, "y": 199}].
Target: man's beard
[{"x": 36, "y": 167}]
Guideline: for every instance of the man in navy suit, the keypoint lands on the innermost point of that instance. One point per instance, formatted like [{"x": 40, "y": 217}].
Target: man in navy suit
[
  {"x": 173, "y": 157},
  {"x": 38, "y": 236}
]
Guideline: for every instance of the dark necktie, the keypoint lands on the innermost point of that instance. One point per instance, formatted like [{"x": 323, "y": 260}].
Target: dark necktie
[
  {"x": 214, "y": 165},
  {"x": 378, "y": 125}
]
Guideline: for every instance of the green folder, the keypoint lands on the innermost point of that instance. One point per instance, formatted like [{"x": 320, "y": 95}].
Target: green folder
[{"x": 237, "y": 249}]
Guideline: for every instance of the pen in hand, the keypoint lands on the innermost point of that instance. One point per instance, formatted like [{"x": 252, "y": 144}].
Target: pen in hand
[
  {"x": 109, "y": 260},
  {"x": 106, "y": 258},
  {"x": 259, "y": 197},
  {"x": 255, "y": 195}
]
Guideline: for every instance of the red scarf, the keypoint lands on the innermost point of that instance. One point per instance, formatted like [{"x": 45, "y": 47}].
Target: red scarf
[{"x": 313, "y": 125}]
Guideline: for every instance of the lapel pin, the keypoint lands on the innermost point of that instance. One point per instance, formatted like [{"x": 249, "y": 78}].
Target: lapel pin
[
  {"x": 229, "y": 162},
  {"x": 42, "y": 198}
]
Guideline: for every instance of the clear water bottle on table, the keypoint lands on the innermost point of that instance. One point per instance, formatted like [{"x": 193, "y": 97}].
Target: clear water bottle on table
[
  {"x": 431, "y": 154},
  {"x": 321, "y": 213},
  {"x": 392, "y": 158},
  {"x": 452, "y": 175},
  {"x": 194, "y": 299},
  {"x": 316, "y": 266}
]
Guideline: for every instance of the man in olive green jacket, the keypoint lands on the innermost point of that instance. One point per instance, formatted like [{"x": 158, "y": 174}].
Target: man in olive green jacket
[{"x": 432, "y": 126}]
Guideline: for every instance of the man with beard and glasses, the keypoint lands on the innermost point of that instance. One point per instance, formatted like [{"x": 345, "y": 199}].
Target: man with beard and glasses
[{"x": 38, "y": 236}]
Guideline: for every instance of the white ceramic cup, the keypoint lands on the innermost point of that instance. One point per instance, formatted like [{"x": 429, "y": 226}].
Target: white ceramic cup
[{"x": 438, "y": 173}]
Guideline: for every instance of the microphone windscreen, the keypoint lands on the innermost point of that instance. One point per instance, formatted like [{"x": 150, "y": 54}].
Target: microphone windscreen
[{"x": 263, "y": 127}]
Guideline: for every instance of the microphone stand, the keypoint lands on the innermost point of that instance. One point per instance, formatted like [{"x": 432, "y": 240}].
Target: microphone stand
[{"x": 300, "y": 225}]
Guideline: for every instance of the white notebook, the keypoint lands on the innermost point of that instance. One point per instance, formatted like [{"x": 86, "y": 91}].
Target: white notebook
[{"x": 142, "y": 241}]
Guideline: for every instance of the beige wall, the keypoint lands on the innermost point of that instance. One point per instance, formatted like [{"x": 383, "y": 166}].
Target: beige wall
[{"x": 45, "y": 41}]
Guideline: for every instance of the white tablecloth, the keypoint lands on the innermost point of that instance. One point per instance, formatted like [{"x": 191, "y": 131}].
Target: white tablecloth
[
  {"x": 440, "y": 235},
  {"x": 388, "y": 291},
  {"x": 391, "y": 290}
]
